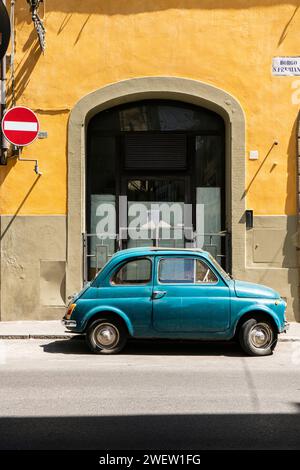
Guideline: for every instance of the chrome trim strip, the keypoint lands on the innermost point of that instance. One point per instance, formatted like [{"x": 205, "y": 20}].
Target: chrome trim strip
[{"x": 69, "y": 323}]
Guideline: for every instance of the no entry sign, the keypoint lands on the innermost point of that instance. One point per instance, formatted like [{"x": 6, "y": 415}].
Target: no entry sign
[{"x": 20, "y": 126}]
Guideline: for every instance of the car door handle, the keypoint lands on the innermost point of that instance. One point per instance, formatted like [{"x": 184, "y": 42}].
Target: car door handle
[{"x": 158, "y": 294}]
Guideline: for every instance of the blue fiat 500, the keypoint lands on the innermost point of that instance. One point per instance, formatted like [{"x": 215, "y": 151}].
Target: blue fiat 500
[{"x": 174, "y": 293}]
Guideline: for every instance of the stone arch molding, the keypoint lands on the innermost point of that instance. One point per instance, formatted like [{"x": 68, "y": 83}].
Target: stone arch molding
[{"x": 173, "y": 88}]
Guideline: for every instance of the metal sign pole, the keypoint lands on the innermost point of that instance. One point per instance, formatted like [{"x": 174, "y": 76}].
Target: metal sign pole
[{"x": 4, "y": 41}]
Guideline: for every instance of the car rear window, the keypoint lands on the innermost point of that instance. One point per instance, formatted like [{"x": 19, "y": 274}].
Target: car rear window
[{"x": 134, "y": 272}]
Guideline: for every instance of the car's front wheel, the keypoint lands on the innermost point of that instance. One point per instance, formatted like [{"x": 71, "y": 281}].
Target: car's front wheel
[
  {"x": 106, "y": 336},
  {"x": 258, "y": 337}
]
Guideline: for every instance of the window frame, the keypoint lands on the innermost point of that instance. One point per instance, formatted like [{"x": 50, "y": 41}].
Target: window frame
[
  {"x": 187, "y": 283},
  {"x": 122, "y": 264}
]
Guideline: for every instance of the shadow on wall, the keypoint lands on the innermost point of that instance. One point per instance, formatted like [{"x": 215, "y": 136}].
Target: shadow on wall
[
  {"x": 5, "y": 169},
  {"x": 124, "y": 7},
  {"x": 286, "y": 28},
  {"x": 25, "y": 68},
  {"x": 2, "y": 235},
  {"x": 170, "y": 431},
  {"x": 257, "y": 172}
]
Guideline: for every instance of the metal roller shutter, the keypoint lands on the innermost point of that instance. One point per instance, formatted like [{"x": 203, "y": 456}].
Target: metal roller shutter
[{"x": 156, "y": 151}]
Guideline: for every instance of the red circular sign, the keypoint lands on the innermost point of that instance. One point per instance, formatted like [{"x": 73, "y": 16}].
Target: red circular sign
[{"x": 20, "y": 126}]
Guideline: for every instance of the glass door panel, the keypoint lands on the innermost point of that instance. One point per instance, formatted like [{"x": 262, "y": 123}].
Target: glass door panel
[
  {"x": 103, "y": 231},
  {"x": 208, "y": 223},
  {"x": 210, "y": 193},
  {"x": 156, "y": 212}
]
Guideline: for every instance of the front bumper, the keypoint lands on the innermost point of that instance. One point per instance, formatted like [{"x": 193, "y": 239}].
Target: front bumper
[
  {"x": 69, "y": 323},
  {"x": 286, "y": 327}
]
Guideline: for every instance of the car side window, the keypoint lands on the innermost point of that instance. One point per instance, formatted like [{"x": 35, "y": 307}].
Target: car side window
[
  {"x": 176, "y": 270},
  {"x": 134, "y": 272},
  {"x": 185, "y": 271}
]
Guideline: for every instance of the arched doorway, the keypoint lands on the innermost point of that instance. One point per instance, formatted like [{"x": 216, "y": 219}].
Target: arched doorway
[
  {"x": 155, "y": 175},
  {"x": 183, "y": 90}
]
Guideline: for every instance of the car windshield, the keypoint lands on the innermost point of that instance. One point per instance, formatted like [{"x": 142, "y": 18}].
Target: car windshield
[{"x": 219, "y": 267}]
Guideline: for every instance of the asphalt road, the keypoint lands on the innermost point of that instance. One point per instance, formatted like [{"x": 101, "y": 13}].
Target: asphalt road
[{"x": 56, "y": 395}]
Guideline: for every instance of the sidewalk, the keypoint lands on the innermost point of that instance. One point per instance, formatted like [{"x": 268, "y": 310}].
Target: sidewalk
[
  {"x": 293, "y": 333},
  {"x": 55, "y": 330},
  {"x": 34, "y": 329}
]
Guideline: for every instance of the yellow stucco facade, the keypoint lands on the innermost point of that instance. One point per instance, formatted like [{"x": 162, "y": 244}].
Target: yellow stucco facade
[
  {"x": 229, "y": 44},
  {"x": 91, "y": 44}
]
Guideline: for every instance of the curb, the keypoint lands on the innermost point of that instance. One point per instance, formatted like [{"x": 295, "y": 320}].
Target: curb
[{"x": 41, "y": 336}]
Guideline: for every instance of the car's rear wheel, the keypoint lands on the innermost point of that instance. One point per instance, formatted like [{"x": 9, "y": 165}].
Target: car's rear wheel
[
  {"x": 258, "y": 337},
  {"x": 106, "y": 336}
]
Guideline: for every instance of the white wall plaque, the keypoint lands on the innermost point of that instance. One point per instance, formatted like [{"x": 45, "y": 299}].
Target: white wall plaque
[
  {"x": 253, "y": 155},
  {"x": 286, "y": 66}
]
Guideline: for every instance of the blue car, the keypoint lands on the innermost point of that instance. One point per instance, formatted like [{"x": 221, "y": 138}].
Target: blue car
[{"x": 174, "y": 293}]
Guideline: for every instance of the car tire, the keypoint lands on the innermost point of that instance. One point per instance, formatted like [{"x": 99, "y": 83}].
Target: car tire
[
  {"x": 106, "y": 336},
  {"x": 258, "y": 337}
]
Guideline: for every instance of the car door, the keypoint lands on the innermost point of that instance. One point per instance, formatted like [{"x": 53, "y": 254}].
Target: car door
[
  {"x": 129, "y": 289},
  {"x": 189, "y": 296}
]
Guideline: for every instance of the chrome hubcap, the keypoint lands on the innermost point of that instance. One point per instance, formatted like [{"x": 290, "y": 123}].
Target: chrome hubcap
[
  {"x": 261, "y": 336},
  {"x": 106, "y": 335}
]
